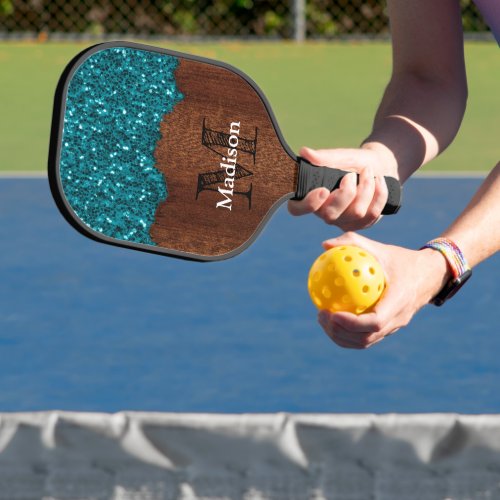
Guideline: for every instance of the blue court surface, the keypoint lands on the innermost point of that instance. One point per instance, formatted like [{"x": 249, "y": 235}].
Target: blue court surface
[{"x": 90, "y": 327}]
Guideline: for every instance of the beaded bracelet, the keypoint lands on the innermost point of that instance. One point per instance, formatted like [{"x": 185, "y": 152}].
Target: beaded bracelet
[
  {"x": 452, "y": 254},
  {"x": 460, "y": 269}
]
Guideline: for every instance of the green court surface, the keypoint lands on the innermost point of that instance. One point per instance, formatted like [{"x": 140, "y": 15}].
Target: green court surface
[{"x": 323, "y": 94}]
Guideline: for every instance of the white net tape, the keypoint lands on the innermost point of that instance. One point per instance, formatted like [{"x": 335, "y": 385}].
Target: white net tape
[{"x": 160, "y": 456}]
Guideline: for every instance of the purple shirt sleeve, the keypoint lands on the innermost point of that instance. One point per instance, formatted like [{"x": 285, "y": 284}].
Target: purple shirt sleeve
[{"x": 490, "y": 9}]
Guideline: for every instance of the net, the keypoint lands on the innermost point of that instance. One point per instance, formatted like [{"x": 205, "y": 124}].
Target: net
[{"x": 153, "y": 456}]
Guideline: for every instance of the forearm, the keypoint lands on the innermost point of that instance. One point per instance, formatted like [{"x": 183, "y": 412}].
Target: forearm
[
  {"x": 477, "y": 230},
  {"x": 416, "y": 120},
  {"x": 424, "y": 103}
]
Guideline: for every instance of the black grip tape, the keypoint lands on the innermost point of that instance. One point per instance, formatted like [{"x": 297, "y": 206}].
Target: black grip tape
[{"x": 312, "y": 177}]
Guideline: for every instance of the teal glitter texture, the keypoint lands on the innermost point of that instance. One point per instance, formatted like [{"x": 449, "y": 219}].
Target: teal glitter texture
[{"x": 115, "y": 103}]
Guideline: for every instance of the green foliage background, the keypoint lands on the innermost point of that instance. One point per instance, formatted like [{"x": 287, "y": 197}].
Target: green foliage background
[{"x": 269, "y": 18}]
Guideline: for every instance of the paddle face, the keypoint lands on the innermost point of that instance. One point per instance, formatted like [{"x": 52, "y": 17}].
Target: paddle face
[{"x": 165, "y": 152}]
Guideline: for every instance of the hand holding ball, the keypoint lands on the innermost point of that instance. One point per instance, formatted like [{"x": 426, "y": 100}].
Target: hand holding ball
[{"x": 346, "y": 278}]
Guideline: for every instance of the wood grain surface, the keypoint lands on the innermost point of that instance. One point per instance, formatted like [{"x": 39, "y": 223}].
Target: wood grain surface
[{"x": 194, "y": 141}]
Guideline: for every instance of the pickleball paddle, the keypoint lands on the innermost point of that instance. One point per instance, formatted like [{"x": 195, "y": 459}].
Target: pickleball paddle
[{"x": 171, "y": 153}]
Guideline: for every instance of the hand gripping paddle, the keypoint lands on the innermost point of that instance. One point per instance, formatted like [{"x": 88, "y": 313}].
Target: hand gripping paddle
[{"x": 170, "y": 153}]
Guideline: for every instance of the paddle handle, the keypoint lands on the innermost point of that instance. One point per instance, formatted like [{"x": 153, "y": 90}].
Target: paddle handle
[{"x": 312, "y": 177}]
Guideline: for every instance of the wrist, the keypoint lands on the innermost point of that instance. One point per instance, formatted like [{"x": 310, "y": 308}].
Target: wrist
[
  {"x": 386, "y": 156},
  {"x": 437, "y": 272}
]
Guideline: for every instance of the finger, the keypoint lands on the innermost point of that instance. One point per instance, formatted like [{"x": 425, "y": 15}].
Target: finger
[
  {"x": 338, "y": 201},
  {"x": 359, "y": 224},
  {"x": 365, "y": 210},
  {"x": 345, "y": 344},
  {"x": 354, "y": 341},
  {"x": 380, "y": 196},
  {"x": 338, "y": 334},
  {"x": 393, "y": 311},
  {"x": 385, "y": 318},
  {"x": 362, "y": 324},
  {"x": 376, "y": 338},
  {"x": 373, "y": 342},
  {"x": 393, "y": 332},
  {"x": 348, "y": 338},
  {"x": 365, "y": 191},
  {"x": 362, "y": 340},
  {"x": 342, "y": 340},
  {"x": 311, "y": 203}
]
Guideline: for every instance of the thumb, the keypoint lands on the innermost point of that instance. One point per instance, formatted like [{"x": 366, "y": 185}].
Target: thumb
[
  {"x": 338, "y": 158},
  {"x": 349, "y": 238},
  {"x": 311, "y": 155}
]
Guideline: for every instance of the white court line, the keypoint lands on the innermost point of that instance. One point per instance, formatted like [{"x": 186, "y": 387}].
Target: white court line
[{"x": 453, "y": 174}]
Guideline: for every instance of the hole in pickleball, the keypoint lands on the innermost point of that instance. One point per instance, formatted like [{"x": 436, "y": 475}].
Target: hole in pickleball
[
  {"x": 346, "y": 299},
  {"x": 336, "y": 306},
  {"x": 331, "y": 268},
  {"x": 317, "y": 276},
  {"x": 356, "y": 273},
  {"x": 339, "y": 281},
  {"x": 317, "y": 300},
  {"x": 360, "y": 309},
  {"x": 327, "y": 293},
  {"x": 372, "y": 270},
  {"x": 348, "y": 258},
  {"x": 366, "y": 289},
  {"x": 363, "y": 254},
  {"x": 379, "y": 287}
]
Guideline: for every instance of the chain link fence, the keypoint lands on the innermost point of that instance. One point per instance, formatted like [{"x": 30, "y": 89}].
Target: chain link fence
[{"x": 286, "y": 19}]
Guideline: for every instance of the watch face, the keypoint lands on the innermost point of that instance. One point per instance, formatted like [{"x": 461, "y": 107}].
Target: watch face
[{"x": 451, "y": 288}]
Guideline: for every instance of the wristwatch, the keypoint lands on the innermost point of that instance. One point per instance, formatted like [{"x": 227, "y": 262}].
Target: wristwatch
[{"x": 460, "y": 270}]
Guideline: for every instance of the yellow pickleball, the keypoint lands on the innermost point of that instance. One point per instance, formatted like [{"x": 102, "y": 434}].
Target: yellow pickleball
[{"x": 346, "y": 278}]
